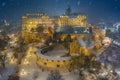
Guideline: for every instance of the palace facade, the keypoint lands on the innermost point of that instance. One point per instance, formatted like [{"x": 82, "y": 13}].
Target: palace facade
[{"x": 30, "y": 23}]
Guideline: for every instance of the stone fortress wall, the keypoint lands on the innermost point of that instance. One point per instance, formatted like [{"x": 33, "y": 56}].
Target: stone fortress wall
[
  {"x": 63, "y": 64},
  {"x": 30, "y": 23},
  {"x": 47, "y": 63}
]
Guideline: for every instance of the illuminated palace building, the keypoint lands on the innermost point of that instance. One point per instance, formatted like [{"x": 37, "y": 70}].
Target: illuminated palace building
[
  {"x": 32, "y": 20},
  {"x": 65, "y": 38}
]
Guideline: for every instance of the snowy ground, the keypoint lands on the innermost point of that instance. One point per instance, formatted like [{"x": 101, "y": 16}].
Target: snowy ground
[
  {"x": 56, "y": 53},
  {"x": 30, "y": 71},
  {"x": 11, "y": 65},
  {"x": 111, "y": 57}
]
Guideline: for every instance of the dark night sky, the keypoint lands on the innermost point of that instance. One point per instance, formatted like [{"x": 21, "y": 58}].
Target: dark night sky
[{"x": 96, "y": 10}]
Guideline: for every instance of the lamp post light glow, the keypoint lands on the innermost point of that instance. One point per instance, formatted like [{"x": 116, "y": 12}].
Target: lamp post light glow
[
  {"x": 23, "y": 72},
  {"x": 12, "y": 61},
  {"x": 26, "y": 61},
  {"x": 29, "y": 55}
]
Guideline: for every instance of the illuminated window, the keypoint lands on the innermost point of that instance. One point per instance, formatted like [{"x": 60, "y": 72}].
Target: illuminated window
[
  {"x": 63, "y": 60},
  {"x": 58, "y": 65},
  {"x": 45, "y": 63}
]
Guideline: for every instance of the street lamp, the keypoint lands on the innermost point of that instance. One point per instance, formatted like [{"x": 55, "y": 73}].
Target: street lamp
[{"x": 23, "y": 72}]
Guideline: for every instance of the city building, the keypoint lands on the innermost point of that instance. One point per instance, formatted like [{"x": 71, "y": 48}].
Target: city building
[
  {"x": 65, "y": 39},
  {"x": 30, "y": 23},
  {"x": 72, "y": 20},
  {"x": 66, "y": 47}
]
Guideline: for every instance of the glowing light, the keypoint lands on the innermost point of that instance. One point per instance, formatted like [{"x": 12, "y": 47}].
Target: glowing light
[
  {"x": 107, "y": 41},
  {"x": 12, "y": 61},
  {"x": 23, "y": 72},
  {"x": 25, "y": 61},
  {"x": 29, "y": 55}
]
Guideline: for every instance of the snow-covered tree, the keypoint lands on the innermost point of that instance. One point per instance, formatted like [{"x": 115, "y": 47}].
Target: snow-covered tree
[
  {"x": 55, "y": 75},
  {"x": 13, "y": 77},
  {"x": 2, "y": 60}
]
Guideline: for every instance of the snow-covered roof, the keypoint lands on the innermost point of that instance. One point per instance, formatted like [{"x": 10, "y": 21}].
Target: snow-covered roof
[{"x": 50, "y": 57}]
